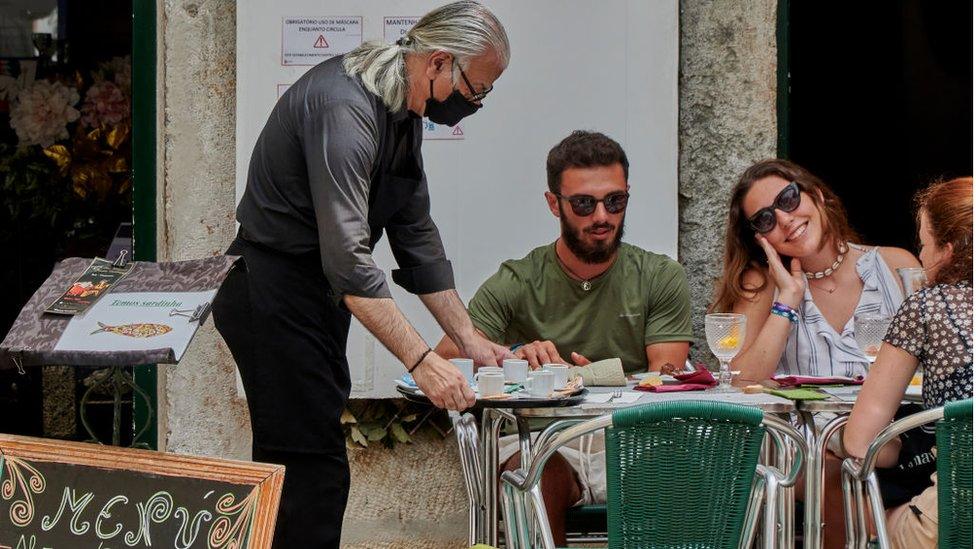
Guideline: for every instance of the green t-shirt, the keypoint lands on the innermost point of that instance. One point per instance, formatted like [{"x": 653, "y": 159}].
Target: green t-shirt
[{"x": 642, "y": 299}]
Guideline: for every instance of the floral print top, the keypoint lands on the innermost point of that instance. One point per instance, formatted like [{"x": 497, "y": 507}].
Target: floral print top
[{"x": 935, "y": 326}]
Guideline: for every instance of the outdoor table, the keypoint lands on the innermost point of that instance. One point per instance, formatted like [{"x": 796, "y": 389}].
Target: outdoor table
[
  {"x": 817, "y": 440},
  {"x": 484, "y": 527}
]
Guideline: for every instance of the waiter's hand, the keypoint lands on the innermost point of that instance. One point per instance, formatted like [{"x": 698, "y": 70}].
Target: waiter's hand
[
  {"x": 483, "y": 351},
  {"x": 443, "y": 383}
]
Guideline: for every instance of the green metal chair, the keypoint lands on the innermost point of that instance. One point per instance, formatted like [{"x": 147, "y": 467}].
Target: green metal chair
[
  {"x": 679, "y": 474},
  {"x": 954, "y": 441}
]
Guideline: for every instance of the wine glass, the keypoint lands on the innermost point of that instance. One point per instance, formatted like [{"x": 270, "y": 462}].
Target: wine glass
[
  {"x": 869, "y": 331},
  {"x": 725, "y": 333}
]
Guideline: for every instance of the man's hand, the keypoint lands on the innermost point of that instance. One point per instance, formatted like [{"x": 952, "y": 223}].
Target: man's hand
[
  {"x": 579, "y": 359},
  {"x": 539, "y": 353},
  {"x": 483, "y": 351},
  {"x": 443, "y": 383}
]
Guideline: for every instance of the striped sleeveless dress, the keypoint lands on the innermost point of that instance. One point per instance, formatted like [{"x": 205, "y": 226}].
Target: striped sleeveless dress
[{"x": 814, "y": 347}]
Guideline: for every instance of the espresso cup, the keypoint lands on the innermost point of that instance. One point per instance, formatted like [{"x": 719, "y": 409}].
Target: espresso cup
[
  {"x": 515, "y": 369},
  {"x": 540, "y": 383},
  {"x": 560, "y": 373},
  {"x": 490, "y": 383},
  {"x": 466, "y": 367}
]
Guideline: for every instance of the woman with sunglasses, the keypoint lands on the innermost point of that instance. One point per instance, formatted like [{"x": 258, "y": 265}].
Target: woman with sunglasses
[{"x": 793, "y": 268}]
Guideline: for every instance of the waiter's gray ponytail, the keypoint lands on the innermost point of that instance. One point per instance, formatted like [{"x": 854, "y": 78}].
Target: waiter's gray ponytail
[{"x": 463, "y": 29}]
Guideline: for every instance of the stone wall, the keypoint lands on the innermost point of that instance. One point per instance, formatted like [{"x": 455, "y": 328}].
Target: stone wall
[
  {"x": 726, "y": 121},
  {"x": 200, "y": 412}
]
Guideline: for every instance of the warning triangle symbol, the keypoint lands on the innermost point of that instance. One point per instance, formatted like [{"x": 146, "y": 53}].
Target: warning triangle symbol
[
  {"x": 457, "y": 131},
  {"x": 321, "y": 43}
]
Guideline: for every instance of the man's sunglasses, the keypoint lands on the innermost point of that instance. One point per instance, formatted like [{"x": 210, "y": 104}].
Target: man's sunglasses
[
  {"x": 787, "y": 200},
  {"x": 584, "y": 204}
]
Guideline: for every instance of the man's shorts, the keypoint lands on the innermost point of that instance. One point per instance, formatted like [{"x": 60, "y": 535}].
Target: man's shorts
[{"x": 586, "y": 455}]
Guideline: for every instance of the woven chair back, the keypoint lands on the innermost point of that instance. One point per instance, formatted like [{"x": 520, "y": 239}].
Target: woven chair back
[
  {"x": 954, "y": 441},
  {"x": 679, "y": 474}
]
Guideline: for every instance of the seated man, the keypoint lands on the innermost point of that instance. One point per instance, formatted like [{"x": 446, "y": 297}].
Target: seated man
[{"x": 586, "y": 297}]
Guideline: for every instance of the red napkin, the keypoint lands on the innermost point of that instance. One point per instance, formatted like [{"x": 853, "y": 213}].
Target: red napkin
[
  {"x": 791, "y": 381},
  {"x": 699, "y": 380}
]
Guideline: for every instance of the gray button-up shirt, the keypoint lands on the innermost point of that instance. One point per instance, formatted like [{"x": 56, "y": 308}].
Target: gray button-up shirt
[{"x": 330, "y": 171}]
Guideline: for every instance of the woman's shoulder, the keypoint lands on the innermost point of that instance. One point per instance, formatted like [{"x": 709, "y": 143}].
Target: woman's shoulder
[{"x": 898, "y": 258}]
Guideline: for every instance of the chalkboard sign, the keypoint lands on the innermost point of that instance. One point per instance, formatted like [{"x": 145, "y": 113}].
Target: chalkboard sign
[{"x": 61, "y": 495}]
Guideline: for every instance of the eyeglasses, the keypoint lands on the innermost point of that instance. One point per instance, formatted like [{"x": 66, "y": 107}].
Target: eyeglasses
[
  {"x": 787, "y": 200},
  {"x": 584, "y": 204},
  {"x": 475, "y": 96}
]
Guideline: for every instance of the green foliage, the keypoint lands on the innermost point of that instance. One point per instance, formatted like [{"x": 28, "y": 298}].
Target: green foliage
[{"x": 386, "y": 421}]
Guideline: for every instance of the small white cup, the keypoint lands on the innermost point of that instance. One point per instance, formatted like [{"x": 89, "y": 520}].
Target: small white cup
[
  {"x": 490, "y": 383},
  {"x": 466, "y": 367},
  {"x": 515, "y": 369},
  {"x": 560, "y": 373},
  {"x": 540, "y": 383}
]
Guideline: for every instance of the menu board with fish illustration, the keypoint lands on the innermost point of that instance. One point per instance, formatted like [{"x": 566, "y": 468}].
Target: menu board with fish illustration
[
  {"x": 147, "y": 316},
  {"x": 136, "y": 321}
]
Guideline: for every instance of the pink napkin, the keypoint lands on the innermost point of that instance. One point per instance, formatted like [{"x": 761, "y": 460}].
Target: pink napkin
[
  {"x": 674, "y": 388},
  {"x": 699, "y": 380},
  {"x": 791, "y": 381}
]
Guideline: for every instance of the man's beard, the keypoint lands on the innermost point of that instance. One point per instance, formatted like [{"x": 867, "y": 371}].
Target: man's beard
[{"x": 598, "y": 252}]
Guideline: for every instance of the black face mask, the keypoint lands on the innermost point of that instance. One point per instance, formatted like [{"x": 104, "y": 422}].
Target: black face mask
[{"x": 449, "y": 111}]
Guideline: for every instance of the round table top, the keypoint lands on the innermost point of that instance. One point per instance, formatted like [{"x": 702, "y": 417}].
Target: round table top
[
  {"x": 766, "y": 402},
  {"x": 414, "y": 395}
]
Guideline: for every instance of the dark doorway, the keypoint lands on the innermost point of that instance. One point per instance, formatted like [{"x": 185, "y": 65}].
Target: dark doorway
[
  {"x": 879, "y": 103},
  {"x": 65, "y": 176}
]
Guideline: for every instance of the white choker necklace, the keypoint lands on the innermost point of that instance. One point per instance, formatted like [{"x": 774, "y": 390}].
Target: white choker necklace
[{"x": 842, "y": 249}]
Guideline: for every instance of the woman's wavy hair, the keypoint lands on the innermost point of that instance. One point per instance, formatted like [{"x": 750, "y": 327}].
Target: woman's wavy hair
[
  {"x": 464, "y": 29},
  {"x": 949, "y": 208},
  {"x": 742, "y": 251}
]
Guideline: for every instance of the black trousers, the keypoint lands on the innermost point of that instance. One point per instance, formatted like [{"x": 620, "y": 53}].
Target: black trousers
[{"x": 289, "y": 341}]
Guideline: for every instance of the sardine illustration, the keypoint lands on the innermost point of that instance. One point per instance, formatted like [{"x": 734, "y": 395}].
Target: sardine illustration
[{"x": 135, "y": 330}]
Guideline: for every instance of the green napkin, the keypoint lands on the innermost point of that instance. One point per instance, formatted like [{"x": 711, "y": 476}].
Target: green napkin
[
  {"x": 798, "y": 394},
  {"x": 602, "y": 373}
]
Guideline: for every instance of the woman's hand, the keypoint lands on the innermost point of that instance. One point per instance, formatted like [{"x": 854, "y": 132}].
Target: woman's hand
[{"x": 791, "y": 283}]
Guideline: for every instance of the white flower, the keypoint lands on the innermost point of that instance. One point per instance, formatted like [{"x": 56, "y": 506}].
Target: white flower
[
  {"x": 41, "y": 113},
  {"x": 104, "y": 105}
]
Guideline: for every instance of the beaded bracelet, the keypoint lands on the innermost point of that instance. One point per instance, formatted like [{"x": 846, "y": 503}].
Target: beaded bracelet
[
  {"x": 785, "y": 308},
  {"x": 791, "y": 317}
]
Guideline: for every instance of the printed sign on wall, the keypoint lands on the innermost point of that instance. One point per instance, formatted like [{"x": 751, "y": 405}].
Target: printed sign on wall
[
  {"x": 395, "y": 27},
  {"x": 310, "y": 40}
]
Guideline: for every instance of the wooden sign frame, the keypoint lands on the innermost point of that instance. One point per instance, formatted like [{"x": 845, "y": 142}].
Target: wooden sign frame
[{"x": 266, "y": 479}]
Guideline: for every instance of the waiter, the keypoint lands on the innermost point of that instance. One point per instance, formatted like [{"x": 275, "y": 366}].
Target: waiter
[{"x": 337, "y": 164}]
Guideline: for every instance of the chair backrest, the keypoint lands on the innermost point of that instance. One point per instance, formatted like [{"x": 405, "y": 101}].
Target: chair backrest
[
  {"x": 679, "y": 474},
  {"x": 954, "y": 443}
]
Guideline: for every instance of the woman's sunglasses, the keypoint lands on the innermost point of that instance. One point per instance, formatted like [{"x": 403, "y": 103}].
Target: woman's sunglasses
[
  {"x": 787, "y": 200},
  {"x": 584, "y": 204}
]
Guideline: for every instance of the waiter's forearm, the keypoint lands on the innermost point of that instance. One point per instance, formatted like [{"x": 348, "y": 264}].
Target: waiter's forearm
[
  {"x": 383, "y": 319},
  {"x": 447, "y": 308}
]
